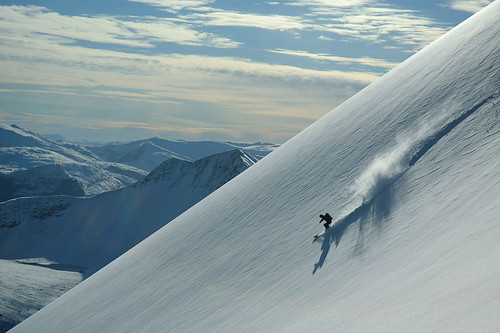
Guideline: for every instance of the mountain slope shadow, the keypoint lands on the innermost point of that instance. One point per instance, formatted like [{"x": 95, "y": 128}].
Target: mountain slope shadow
[{"x": 374, "y": 211}]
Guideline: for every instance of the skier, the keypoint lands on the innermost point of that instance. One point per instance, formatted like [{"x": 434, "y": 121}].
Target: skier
[{"x": 327, "y": 218}]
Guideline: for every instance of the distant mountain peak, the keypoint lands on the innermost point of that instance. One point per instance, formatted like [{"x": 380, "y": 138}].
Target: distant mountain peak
[
  {"x": 407, "y": 168},
  {"x": 212, "y": 171},
  {"x": 15, "y": 136}
]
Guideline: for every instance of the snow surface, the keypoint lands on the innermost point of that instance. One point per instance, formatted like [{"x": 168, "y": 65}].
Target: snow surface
[
  {"x": 148, "y": 154},
  {"x": 31, "y": 165},
  {"x": 38, "y": 181},
  {"x": 144, "y": 154},
  {"x": 91, "y": 232},
  {"x": 74, "y": 234},
  {"x": 27, "y": 286},
  {"x": 408, "y": 168}
]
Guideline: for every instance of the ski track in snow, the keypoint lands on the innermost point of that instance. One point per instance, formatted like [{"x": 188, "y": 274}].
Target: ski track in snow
[
  {"x": 387, "y": 168},
  {"x": 384, "y": 171},
  {"x": 410, "y": 165}
]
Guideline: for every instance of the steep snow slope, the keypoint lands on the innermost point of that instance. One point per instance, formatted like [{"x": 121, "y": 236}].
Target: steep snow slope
[
  {"x": 27, "y": 286},
  {"x": 76, "y": 237},
  {"x": 93, "y": 231},
  {"x": 22, "y": 153},
  {"x": 408, "y": 168}
]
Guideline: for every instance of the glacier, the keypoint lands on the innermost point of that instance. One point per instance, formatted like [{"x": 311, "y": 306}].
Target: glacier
[{"x": 408, "y": 168}]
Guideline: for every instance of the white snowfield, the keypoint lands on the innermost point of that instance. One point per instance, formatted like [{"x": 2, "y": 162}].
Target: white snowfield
[
  {"x": 148, "y": 154},
  {"x": 31, "y": 166},
  {"x": 408, "y": 168},
  {"x": 54, "y": 242},
  {"x": 91, "y": 232}
]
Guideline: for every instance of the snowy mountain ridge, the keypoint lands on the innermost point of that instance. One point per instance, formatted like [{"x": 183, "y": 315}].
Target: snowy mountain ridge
[
  {"x": 22, "y": 153},
  {"x": 77, "y": 236},
  {"x": 143, "y": 154},
  {"x": 208, "y": 172},
  {"x": 148, "y": 154},
  {"x": 408, "y": 167},
  {"x": 171, "y": 188},
  {"x": 38, "y": 181},
  {"x": 96, "y": 168}
]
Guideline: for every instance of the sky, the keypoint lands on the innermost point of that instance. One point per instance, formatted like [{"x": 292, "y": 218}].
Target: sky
[{"x": 245, "y": 71}]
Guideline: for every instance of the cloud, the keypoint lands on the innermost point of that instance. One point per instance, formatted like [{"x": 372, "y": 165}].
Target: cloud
[
  {"x": 106, "y": 124},
  {"x": 366, "y": 20},
  {"x": 365, "y": 61},
  {"x": 243, "y": 88},
  {"x": 331, "y": 3},
  {"x": 236, "y": 19},
  {"x": 108, "y": 62},
  {"x": 26, "y": 49},
  {"x": 39, "y": 22},
  {"x": 176, "y": 5},
  {"x": 370, "y": 20},
  {"x": 348, "y": 19},
  {"x": 471, "y": 6}
]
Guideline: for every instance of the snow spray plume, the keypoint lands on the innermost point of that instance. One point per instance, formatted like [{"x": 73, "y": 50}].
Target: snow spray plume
[
  {"x": 386, "y": 168},
  {"x": 380, "y": 174}
]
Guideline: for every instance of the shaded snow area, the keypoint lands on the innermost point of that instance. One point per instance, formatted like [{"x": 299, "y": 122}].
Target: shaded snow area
[
  {"x": 82, "y": 235},
  {"x": 38, "y": 181},
  {"x": 31, "y": 165},
  {"x": 210, "y": 173},
  {"x": 408, "y": 169},
  {"x": 27, "y": 286}
]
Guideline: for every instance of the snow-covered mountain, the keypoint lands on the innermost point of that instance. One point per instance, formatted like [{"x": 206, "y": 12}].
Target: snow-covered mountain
[
  {"x": 28, "y": 159},
  {"x": 408, "y": 168},
  {"x": 31, "y": 165},
  {"x": 39, "y": 180},
  {"x": 148, "y": 154},
  {"x": 80, "y": 235},
  {"x": 144, "y": 154},
  {"x": 112, "y": 222},
  {"x": 207, "y": 173}
]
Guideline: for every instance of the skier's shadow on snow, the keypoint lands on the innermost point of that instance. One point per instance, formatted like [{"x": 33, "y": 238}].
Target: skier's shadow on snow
[{"x": 375, "y": 212}]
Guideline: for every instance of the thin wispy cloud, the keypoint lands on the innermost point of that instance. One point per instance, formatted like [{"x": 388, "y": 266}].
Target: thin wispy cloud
[
  {"x": 265, "y": 68},
  {"x": 331, "y": 3},
  {"x": 366, "y": 20},
  {"x": 235, "y": 19},
  {"x": 239, "y": 86},
  {"x": 372, "y": 21},
  {"x": 471, "y": 6},
  {"x": 127, "y": 31},
  {"x": 112, "y": 63},
  {"x": 94, "y": 124},
  {"x": 365, "y": 61},
  {"x": 53, "y": 42},
  {"x": 176, "y": 5}
]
